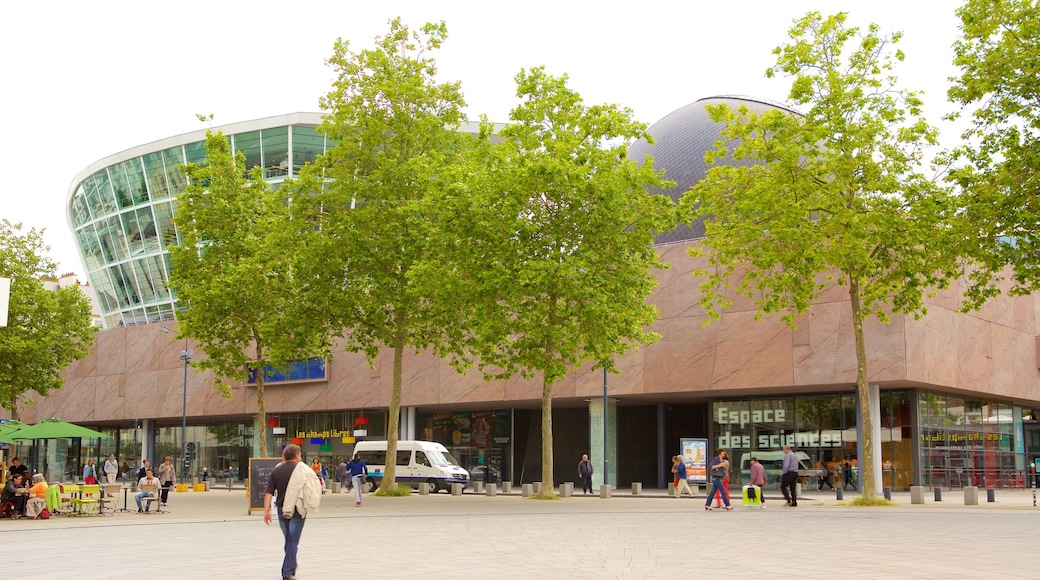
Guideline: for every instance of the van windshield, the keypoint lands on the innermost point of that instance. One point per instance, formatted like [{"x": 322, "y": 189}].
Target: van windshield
[{"x": 439, "y": 458}]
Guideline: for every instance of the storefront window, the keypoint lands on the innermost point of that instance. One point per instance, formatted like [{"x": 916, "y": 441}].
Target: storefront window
[{"x": 477, "y": 439}]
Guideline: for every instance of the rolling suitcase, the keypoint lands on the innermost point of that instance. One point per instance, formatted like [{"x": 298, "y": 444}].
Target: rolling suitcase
[{"x": 752, "y": 496}]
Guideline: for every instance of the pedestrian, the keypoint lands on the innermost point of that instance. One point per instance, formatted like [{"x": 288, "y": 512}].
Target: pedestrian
[
  {"x": 111, "y": 469},
  {"x": 124, "y": 471},
  {"x": 679, "y": 467},
  {"x": 719, "y": 471},
  {"x": 358, "y": 473},
  {"x": 758, "y": 479},
  {"x": 146, "y": 466},
  {"x": 343, "y": 474},
  {"x": 90, "y": 472},
  {"x": 725, "y": 484},
  {"x": 205, "y": 473},
  {"x": 166, "y": 475},
  {"x": 789, "y": 479},
  {"x": 846, "y": 471},
  {"x": 316, "y": 466},
  {"x": 825, "y": 476},
  {"x": 585, "y": 473},
  {"x": 299, "y": 492}
]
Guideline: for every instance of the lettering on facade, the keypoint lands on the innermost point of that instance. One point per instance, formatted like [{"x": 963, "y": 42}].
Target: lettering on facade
[{"x": 327, "y": 434}]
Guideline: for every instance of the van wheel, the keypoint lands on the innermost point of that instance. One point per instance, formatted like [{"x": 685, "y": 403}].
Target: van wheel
[
  {"x": 433, "y": 485},
  {"x": 372, "y": 487}
]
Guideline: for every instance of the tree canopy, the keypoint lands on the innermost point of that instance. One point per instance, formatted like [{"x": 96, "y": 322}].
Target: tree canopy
[
  {"x": 235, "y": 275},
  {"x": 834, "y": 194},
  {"x": 548, "y": 240},
  {"x": 997, "y": 170},
  {"x": 46, "y": 330},
  {"x": 397, "y": 141}
]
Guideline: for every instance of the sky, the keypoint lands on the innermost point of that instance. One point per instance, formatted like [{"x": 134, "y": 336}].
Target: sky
[{"x": 85, "y": 80}]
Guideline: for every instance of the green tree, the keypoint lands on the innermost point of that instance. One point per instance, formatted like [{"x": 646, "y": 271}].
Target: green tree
[
  {"x": 833, "y": 193},
  {"x": 547, "y": 241},
  {"x": 998, "y": 168},
  {"x": 396, "y": 130},
  {"x": 235, "y": 275},
  {"x": 46, "y": 331}
]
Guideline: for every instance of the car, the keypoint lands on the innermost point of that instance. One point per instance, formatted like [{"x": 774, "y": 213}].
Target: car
[{"x": 477, "y": 474}]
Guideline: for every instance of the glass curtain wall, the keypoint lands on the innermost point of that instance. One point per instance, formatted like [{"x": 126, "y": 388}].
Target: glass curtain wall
[{"x": 966, "y": 442}]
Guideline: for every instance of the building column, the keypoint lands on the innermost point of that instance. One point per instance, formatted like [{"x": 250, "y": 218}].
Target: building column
[
  {"x": 603, "y": 456},
  {"x": 147, "y": 433},
  {"x": 406, "y": 432},
  {"x": 663, "y": 461}
]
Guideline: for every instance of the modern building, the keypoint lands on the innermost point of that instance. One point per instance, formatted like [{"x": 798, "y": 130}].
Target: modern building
[{"x": 957, "y": 391}]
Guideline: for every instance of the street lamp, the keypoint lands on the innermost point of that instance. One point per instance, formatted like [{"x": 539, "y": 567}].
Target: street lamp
[{"x": 186, "y": 355}]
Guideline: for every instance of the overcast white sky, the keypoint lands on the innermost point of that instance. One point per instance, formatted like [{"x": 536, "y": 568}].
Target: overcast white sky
[{"x": 84, "y": 80}]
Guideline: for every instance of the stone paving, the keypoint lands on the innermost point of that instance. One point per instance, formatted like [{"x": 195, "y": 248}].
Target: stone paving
[{"x": 209, "y": 534}]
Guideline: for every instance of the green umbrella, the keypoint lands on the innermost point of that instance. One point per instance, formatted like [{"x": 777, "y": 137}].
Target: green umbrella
[
  {"x": 8, "y": 428},
  {"x": 55, "y": 429}
]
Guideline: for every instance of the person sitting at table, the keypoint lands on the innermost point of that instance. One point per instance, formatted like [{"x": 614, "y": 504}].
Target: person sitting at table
[
  {"x": 37, "y": 497},
  {"x": 15, "y": 492},
  {"x": 17, "y": 467},
  {"x": 148, "y": 479}
]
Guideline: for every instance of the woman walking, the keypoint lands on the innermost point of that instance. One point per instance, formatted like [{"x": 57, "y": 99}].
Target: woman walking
[
  {"x": 166, "y": 475},
  {"x": 358, "y": 471},
  {"x": 719, "y": 471}
]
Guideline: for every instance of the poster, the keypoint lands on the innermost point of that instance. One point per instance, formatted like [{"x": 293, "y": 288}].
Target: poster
[{"x": 695, "y": 454}]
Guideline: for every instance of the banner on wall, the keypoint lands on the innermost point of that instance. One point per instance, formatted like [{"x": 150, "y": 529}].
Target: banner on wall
[
  {"x": 500, "y": 430},
  {"x": 695, "y": 455},
  {"x": 481, "y": 428},
  {"x": 462, "y": 429}
]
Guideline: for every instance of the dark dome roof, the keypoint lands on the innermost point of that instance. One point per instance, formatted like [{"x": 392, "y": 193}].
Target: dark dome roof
[{"x": 681, "y": 140}]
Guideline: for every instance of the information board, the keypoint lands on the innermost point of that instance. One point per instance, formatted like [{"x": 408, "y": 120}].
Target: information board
[
  {"x": 260, "y": 469},
  {"x": 695, "y": 454}
]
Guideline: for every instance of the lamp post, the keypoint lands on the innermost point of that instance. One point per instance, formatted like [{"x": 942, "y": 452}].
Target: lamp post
[{"x": 186, "y": 355}]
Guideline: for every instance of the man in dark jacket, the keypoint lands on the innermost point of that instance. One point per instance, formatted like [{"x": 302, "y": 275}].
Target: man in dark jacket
[{"x": 585, "y": 473}]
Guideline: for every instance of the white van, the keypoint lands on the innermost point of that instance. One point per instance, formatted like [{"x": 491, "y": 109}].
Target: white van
[
  {"x": 418, "y": 463},
  {"x": 773, "y": 461}
]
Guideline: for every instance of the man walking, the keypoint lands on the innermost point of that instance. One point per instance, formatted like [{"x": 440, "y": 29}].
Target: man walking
[
  {"x": 758, "y": 478},
  {"x": 298, "y": 491},
  {"x": 585, "y": 473},
  {"x": 789, "y": 479}
]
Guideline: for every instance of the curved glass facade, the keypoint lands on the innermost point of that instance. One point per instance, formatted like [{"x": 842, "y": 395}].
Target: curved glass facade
[{"x": 121, "y": 209}]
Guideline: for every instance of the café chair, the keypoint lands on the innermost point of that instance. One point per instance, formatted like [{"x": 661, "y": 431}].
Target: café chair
[
  {"x": 88, "y": 503},
  {"x": 109, "y": 498},
  {"x": 153, "y": 499}
]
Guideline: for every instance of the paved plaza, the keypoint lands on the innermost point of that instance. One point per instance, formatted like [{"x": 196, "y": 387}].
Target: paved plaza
[{"x": 210, "y": 535}]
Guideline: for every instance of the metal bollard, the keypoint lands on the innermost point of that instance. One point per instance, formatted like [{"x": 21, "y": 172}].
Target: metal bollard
[
  {"x": 888, "y": 493},
  {"x": 938, "y": 494},
  {"x": 839, "y": 494},
  {"x": 991, "y": 495}
]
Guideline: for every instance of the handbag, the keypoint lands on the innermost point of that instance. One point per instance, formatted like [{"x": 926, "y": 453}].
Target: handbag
[{"x": 719, "y": 472}]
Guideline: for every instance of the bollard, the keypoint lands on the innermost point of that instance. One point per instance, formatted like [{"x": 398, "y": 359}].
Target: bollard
[
  {"x": 478, "y": 487},
  {"x": 570, "y": 488},
  {"x": 229, "y": 484},
  {"x": 888, "y": 493},
  {"x": 334, "y": 487},
  {"x": 991, "y": 495},
  {"x": 839, "y": 494},
  {"x": 537, "y": 487},
  {"x": 492, "y": 490},
  {"x": 917, "y": 494},
  {"x": 424, "y": 490},
  {"x": 671, "y": 489},
  {"x": 456, "y": 489},
  {"x": 637, "y": 488},
  {"x": 604, "y": 491},
  {"x": 971, "y": 495},
  {"x": 938, "y": 494},
  {"x": 526, "y": 490},
  {"x": 507, "y": 487},
  {"x": 564, "y": 490}
]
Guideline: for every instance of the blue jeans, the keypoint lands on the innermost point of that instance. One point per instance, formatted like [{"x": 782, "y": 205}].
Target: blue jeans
[
  {"x": 356, "y": 482},
  {"x": 292, "y": 529},
  {"x": 716, "y": 484},
  {"x": 586, "y": 483},
  {"x": 137, "y": 498}
]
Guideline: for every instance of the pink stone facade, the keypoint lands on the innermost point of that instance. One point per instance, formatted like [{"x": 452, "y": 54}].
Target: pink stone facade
[{"x": 137, "y": 372}]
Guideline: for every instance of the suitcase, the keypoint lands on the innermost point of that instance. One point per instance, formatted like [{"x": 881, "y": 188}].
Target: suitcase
[{"x": 752, "y": 495}]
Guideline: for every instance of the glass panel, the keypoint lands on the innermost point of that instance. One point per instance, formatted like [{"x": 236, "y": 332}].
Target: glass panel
[
  {"x": 104, "y": 289},
  {"x": 174, "y": 158},
  {"x": 113, "y": 244},
  {"x": 80, "y": 209},
  {"x": 151, "y": 279},
  {"x": 307, "y": 144},
  {"x": 99, "y": 194},
  {"x": 117, "y": 178},
  {"x": 195, "y": 153},
  {"x": 297, "y": 370},
  {"x": 135, "y": 177},
  {"x": 165, "y": 230},
  {"x": 126, "y": 286},
  {"x": 249, "y": 144},
  {"x": 132, "y": 231},
  {"x": 317, "y": 368},
  {"x": 90, "y": 248},
  {"x": 156, "y": 172},
  {"x": 276, "y": 151}
]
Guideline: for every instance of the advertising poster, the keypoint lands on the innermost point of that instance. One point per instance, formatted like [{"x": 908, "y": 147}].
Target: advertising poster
[
  {"x": 460, "y": 435},
  {"x": 695, "y": 454},
  {"x": 481, "y": 428},
  {"x": 500, "y": 427}
]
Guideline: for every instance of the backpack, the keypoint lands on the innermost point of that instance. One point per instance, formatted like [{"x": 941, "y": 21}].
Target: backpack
[{"x": 45, "y": 514}]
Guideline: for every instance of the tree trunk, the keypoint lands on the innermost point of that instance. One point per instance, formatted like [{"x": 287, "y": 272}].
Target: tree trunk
[
  {"x": 260, "y": 422},
  {"x": 394, "y": 420},
  {"x": 547, "y": 438},
  {"x": 865, "y": 412}
]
